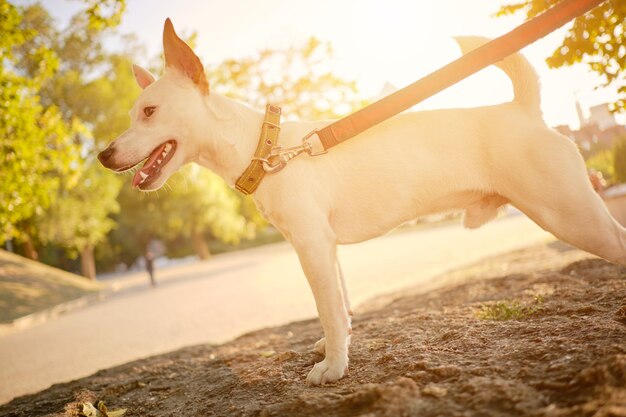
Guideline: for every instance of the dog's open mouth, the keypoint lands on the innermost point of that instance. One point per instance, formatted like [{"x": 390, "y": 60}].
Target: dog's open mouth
[{"x": 154, "y": 164}]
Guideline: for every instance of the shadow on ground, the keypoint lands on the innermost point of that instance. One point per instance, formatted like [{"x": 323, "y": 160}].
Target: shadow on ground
[{"x": 27, "y": 287}]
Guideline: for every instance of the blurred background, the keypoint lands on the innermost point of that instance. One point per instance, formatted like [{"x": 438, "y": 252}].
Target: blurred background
[{"x": 67, "y": 87}]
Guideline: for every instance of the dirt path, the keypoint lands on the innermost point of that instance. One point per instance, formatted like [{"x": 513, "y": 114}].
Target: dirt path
[{"x": 546, "y": 337}]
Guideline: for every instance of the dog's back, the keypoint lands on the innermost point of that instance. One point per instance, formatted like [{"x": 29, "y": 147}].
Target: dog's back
[{"x": 418, "y": 162}]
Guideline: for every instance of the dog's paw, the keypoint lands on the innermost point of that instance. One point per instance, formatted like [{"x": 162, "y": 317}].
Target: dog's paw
[
  {"x": 327, "y": 371},
  {"x": 320, "y": 346}
]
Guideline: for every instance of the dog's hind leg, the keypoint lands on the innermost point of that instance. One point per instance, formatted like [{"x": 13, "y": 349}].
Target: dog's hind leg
[
  {"x": 315, "y": 245},
  {"x": 584, "y": 222},
  {"x": 556, "y": 193}
]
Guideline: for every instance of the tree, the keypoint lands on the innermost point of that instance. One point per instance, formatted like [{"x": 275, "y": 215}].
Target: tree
[
  {"x": 76, "y": 217},
  {"x": 195, "y": 203},
  {"x": 598, "y": 38},
  {"x": 299, "y": 79},
  {"x": 203, "y": 204},
  {"x": 36, "y": 144},
  {"x": 104, "y": 13},
  {"x": 79, "y": 218}
]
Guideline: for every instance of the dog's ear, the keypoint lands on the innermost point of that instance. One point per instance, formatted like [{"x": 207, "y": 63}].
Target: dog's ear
[
  {"x": 142, "y": 76},
  {"x": 180, "y": 56}
]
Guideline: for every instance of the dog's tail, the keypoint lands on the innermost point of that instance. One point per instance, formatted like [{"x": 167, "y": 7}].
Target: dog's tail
[{"x": 522, "y": 74}]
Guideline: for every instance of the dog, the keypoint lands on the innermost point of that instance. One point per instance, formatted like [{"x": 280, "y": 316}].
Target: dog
[{"x": 414, "y": 164}]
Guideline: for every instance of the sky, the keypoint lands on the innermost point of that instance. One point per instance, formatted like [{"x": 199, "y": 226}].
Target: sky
[{"x": 375, "y": 42}]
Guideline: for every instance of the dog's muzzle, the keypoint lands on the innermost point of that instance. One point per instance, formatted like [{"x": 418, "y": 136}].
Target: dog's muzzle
[{"x": 105, "y": 155}]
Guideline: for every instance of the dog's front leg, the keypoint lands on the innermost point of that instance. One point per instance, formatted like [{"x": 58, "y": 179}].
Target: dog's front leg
[
  {"x": 318, "y": 256},
  {"x": 320, "y": 345}
]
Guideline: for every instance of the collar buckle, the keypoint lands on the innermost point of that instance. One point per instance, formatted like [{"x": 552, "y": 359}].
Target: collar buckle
[{"x": 282, "y": 156}]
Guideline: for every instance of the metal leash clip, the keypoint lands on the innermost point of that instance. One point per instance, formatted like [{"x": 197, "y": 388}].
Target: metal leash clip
[{"x": 284, "y": 155}]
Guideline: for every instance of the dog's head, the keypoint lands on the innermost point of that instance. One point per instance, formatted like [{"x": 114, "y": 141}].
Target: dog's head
[{"x": 163, "y": 119}]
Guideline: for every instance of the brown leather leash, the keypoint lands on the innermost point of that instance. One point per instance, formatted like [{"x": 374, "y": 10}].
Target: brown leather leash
[{"x": 491, "y": 52}]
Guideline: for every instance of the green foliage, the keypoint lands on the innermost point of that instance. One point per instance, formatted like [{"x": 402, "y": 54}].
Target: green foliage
[
  {"x": 603, "y": 162},
  {"x": 116, "y": 91},
  {"x": 619, "y": 160},
  {"x": 36, "y": 144},
  {"x": 196, "y": 203},
  {"x": 502, "y": 310},
  {"x": 297, "y": 78},
  {"x": 104, "y": 13},
  {"x": 596, "y": 38},
  {"x": 80, "y": 216},
  {"x": 509, "y": 310},
  {"x": 54, "y": 88},
  {"x": 138, "y": 222},
  {"x": 200, "y": 202}
]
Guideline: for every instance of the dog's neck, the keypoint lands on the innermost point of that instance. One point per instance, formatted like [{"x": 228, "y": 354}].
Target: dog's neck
[{"x": 229, "y": 136}]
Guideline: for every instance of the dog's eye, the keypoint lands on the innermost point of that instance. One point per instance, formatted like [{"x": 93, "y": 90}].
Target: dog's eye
[{"x": 149, "y": 111}]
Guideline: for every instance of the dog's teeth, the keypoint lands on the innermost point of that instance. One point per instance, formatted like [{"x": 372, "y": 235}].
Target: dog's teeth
[
  {"x": 159, "y": 161},
  {"x": 168, "y": 146},
  {"x": 164, "y": 153},
  {"x": 143, "y": 175}
]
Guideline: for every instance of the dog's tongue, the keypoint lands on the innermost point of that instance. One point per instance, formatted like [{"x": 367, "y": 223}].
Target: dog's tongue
[{"x": 148, "y": 166}]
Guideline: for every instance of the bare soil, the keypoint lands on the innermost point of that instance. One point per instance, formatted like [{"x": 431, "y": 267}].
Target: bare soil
[{"x": 445, "y": 352}]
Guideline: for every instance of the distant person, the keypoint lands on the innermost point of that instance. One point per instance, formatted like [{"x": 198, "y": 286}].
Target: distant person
[{"x": 150, "y": 267}]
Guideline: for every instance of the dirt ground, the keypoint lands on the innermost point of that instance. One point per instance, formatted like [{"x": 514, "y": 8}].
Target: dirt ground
[{"x": 538, "y": 332}]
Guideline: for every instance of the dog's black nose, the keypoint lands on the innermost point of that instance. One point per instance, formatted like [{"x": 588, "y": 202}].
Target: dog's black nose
[{"x": 104, "y": 156}]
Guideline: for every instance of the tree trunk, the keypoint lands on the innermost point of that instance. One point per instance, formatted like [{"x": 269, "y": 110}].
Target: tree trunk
[
  {"x": 201, "y": 247},
  {"x": 88, "y": 262},
  {"x": 29, "y": 248}
]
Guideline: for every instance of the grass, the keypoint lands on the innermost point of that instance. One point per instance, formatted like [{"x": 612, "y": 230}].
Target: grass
[
  {"x": 509, "y": 309},
  {"x": 27, "y": 286}
]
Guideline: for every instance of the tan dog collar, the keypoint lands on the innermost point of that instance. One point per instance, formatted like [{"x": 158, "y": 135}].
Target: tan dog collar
[{"x": 248, "y": 182}]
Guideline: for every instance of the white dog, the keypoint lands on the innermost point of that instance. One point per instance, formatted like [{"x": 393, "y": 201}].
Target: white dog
[{"x": 414, "y": 164}]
